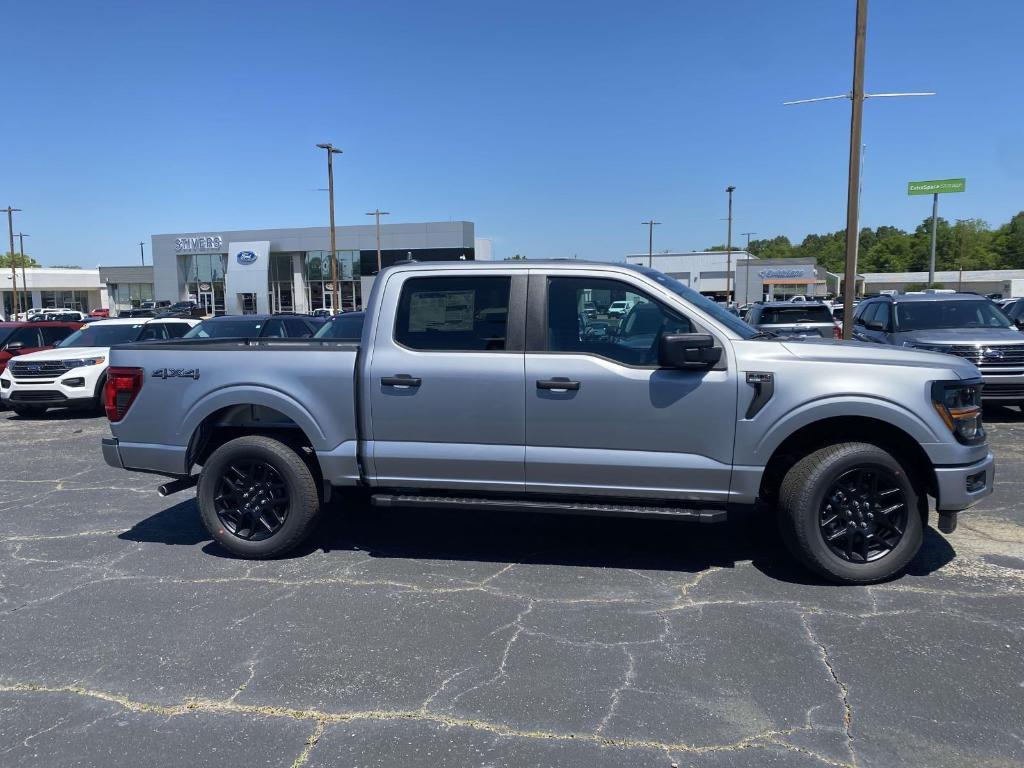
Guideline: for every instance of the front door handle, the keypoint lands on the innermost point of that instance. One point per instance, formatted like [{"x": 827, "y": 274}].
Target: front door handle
[
  {"x": 558, "y": 384},
  {"x": 401, "y": 380}
]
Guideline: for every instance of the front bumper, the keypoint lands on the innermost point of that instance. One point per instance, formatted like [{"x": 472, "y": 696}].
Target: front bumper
[
  {"x": 50, "y": 391},
  {"x": 964, "y": 486}
]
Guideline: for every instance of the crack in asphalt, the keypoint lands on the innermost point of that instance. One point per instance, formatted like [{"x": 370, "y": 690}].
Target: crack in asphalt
[
  {"x": 844, "y": 691},
  {"x": 322, "y": 719}
]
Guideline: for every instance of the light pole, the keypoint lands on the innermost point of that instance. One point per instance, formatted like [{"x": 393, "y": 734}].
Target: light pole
[
  {"x": 728, "y": 251},
  {"x": 331, "y": 152},
  {"x": 650, "y": 241},
  {"x": 378, "y": 213},
  {"x": 856, "y": 97},
  {"x": 747, "y": 235},
  {"x": 142, "y": 253},
  {"x": 24, "y": 282},
  {"x": 14, "y": 274}
]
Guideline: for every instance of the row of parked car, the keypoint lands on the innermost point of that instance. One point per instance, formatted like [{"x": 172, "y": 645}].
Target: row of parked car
[{"x": 52, "y": 364}]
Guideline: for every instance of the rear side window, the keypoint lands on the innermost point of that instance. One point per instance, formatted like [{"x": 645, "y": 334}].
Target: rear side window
[
  {"x": 54, "y": 334},
  {"x": 297, "y": 329},
  {"x": 274, "y": 329},
  {"x": 29, "y": 337},
  {"x": 464, "y": 314},
  {"x": 154, "y": 332},
  {"x": 176, "y": 330},
  {"x": 814, "y": 313}
]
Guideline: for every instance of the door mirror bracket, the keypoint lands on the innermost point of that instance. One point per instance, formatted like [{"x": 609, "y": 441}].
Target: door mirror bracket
[{"x": 688, "y": 350}]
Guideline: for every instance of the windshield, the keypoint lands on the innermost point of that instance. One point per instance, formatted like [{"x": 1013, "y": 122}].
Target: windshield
[
  {"x": 342, "y": 327},
  {"x": 103, "y": 335},
  {"x": 718, "y": 312},
  {"x": 5, "y": 332},
  {"x": 813, "y": 313},
  {"x": 226, "y": 329},
  {"x": 935, "y": 315}
]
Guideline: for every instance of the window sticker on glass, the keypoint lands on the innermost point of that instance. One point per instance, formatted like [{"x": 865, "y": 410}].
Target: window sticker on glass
[{"x": 441, "y": 310}]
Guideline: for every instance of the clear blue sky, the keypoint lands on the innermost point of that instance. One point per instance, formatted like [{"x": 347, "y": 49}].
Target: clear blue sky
[{"x": 556, "y": 126}]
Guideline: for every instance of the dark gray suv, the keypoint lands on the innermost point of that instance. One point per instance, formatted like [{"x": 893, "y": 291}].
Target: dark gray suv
[{"x": 961, "y": 324}]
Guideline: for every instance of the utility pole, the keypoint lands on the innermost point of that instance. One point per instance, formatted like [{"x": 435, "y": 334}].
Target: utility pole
[
  {"x": 748, "y": 234},
  {"x": 378, "y": 213},
  {"x": 142, "y": 252},
  {"x": 331, "y": 152},
  {"x": 14, "y": 274},
  {"x": 650, "y": 241},
  {"x": 24, "y": 282},
  {"x": 853, "y": 186},
  {"x": 960, "y": 224},
  {"x": 856, "y": 97},
  {"x": 728, "y": 251}
]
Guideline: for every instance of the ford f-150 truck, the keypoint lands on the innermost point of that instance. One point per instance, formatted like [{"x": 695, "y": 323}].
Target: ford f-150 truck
[{"x": 477, "y": 385}]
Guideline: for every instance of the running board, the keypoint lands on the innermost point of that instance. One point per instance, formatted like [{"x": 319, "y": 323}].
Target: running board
[{"x": 547, "y": 506}]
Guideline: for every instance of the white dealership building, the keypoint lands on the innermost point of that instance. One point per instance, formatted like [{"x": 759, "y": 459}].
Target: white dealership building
[{"x": 57, "y": 287}]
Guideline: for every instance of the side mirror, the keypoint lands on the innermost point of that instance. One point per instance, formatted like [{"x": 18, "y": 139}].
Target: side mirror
[
  {"x": 15, "y": 346},
  {"x": 1019, "y": 322},
  {"x": 874, "y": 325},
  {"x": 688, "y": 350}
]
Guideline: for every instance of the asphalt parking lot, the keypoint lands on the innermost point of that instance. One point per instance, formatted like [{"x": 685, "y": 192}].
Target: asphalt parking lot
[{"x": 411, "y": 639}]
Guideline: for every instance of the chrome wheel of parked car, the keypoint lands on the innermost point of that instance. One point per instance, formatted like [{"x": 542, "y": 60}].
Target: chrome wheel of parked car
[
  {"x": 251, "y": 499},
  {"x": 864, "y": 514}
]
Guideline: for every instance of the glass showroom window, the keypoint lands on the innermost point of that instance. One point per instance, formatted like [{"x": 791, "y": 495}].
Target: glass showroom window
[
  {"x": 319, "y": 286},
  {"x": 77, "y": 300},
  {"x": 281, "y": 283},
  {"x": 203, "y": 275}
]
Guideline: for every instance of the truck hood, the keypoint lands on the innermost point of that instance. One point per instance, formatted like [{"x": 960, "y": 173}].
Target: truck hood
[
  {"x": 67, "y": 353},
  {"x": 860, "y": 353},
  {"x": 961, "y": 336}
]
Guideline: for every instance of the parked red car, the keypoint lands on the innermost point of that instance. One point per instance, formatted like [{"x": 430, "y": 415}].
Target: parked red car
[
  {"x": 100, "y": 313},
  {"x": 22, "y": 338}
]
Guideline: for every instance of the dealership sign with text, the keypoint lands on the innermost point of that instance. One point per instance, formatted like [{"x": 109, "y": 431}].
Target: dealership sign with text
[{"x": 204, "y": 243}]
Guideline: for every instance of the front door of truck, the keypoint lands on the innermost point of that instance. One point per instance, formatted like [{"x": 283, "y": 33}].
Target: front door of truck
[
  {"x": 601, "y": 416},
  {"x": 445, "y": 381}
]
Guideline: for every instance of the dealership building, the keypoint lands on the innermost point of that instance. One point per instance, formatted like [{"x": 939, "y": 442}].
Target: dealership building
[
  {"x": 289, "y": 270},
  {"x": 59, "y": 287}
]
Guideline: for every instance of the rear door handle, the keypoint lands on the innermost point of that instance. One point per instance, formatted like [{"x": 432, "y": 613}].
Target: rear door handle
[
  {"x": 560, "y": 384},
  {"x": 401, "y": 380}
]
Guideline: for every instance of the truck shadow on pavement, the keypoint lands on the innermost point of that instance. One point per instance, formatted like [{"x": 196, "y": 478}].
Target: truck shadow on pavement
[{"x": 531, "y": 538}]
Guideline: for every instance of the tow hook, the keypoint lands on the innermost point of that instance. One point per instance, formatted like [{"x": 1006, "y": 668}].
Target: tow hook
[
  {"x": 183, "y": 483},
  {"x": 947, "y": 522}
]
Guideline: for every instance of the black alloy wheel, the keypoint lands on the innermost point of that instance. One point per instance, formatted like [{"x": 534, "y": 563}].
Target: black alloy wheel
[
  {"x": 864, "y": 514},
  {"x": 251, "y": 499}
]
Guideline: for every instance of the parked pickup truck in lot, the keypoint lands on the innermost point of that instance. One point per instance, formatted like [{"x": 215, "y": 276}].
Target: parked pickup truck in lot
[{"x": 474, "y": 385}]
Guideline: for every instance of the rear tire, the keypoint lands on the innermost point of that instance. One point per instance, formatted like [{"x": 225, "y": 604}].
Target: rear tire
[
  {"x": 257, "y": 497},
  {"x": 851, "y": 513},
  {"x": 28, "y": 411}
]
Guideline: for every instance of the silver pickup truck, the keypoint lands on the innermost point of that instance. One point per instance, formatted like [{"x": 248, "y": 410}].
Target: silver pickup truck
[{"x": 487, "y": 386}]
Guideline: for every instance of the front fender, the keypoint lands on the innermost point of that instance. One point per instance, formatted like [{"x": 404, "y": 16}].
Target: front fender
[
  {"x": 248, "y": 394},
  {"x": 759, "y": 449}
]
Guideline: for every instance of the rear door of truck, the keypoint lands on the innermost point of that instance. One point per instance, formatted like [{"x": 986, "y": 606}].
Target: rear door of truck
[{"x": 445, "y": 381}]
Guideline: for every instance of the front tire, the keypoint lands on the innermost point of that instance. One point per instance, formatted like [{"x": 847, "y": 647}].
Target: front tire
[
  {"x": 850, "y": 513},
  {"x": 258, "y": 497}
]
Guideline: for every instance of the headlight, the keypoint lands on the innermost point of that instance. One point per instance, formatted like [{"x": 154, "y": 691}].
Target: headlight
[
  {"x": 69, "y": 364},
  {"x": 959, "y": 405}
]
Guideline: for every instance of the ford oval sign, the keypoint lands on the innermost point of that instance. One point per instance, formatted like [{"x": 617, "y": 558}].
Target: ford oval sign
[{"x": 245, "y": 257}]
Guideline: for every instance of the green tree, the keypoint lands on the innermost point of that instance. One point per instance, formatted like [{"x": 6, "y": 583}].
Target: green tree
[
  {"x": 774, "y": 248},
  {"x": 19, "y": 260}
]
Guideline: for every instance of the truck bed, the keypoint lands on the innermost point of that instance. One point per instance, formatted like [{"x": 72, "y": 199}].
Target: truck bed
[{"x": 191, "y": 385}]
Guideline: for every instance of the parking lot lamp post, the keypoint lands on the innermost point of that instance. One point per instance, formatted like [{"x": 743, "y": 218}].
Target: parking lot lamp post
[
  {"x": 14, "y": 274},
  {"x": 378, "y": 213},
  {"x": 331, "y": 152},
  {"x": 650, "y": 241},
  {"x": 728, "y": 251},
  {"x": 24, "y": 282},
  {"x": 142, "y": 253}
]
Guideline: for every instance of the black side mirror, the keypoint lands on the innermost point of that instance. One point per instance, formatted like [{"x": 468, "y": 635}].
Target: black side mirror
[
  {"x": 874, "y": 325},
  {"x": 1019, "y": 322},
  {"x": 688, "y": 350},
  {"x": 14, "y": 346}
]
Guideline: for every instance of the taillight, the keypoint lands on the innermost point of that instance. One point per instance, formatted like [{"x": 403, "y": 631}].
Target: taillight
[
  {"x": 123, "y": 386},
  {"x": 837, "y": 331}
]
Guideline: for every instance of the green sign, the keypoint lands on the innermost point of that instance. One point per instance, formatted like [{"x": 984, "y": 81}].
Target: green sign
[{"x": 936, "y": 187}]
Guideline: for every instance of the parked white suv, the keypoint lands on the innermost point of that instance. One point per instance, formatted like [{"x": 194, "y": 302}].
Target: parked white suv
[{"x": 74, "y": 372}]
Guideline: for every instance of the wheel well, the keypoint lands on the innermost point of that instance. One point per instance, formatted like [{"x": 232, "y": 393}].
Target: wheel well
[
  {"x": 240, "y": 420},
  {"x": 844, "y": 429}
]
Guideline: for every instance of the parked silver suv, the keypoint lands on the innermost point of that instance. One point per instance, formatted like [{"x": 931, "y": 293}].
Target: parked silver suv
[
  {"x": 961, "y": 324},
  {"x": 794, "y": 319}
]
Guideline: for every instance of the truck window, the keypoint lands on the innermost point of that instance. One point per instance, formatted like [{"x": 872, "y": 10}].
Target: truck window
[
  {"x": 463, "y": 314},
  {"x": 53, "y": 334},
  {"x": 630, "y": 333}
]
